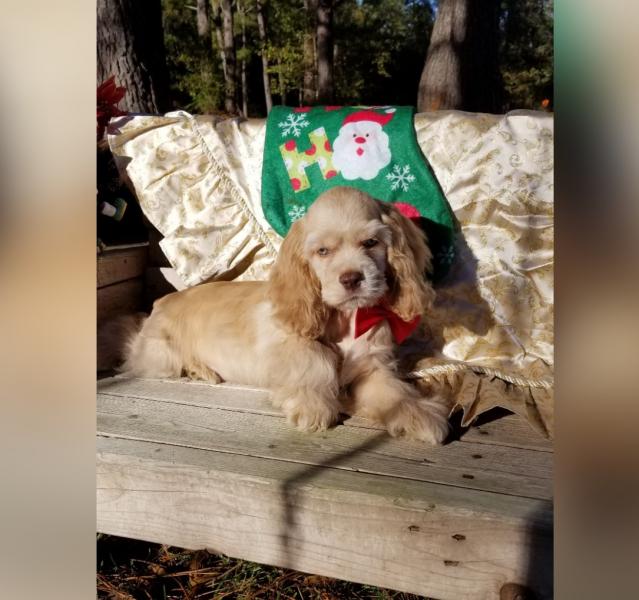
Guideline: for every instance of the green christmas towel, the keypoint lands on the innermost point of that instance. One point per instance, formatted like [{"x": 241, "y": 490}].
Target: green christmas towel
[{"x": 309, "y": 150}]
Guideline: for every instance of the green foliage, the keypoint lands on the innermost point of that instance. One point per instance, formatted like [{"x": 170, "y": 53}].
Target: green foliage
[
  {"x": 527, "y": 52},
  {"x": 196, "y": 78},
  {"x": 380, "y": 47},
  {"x": 287, "y": 21},
  {"x": 285, "y": 67}
]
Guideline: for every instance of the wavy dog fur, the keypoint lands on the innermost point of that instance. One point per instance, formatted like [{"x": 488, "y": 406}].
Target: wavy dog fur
[
  {"x": 294, "y": 333},
  {"x": 409, "y": 259},
  {"x": 295, "y": 290}
]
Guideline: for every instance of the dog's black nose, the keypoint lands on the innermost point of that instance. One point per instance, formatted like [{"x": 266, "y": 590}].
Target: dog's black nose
[{"x": 351, "y": 279}]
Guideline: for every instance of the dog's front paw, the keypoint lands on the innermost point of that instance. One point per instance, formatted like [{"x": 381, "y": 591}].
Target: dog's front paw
[
  {"x": 318, "y": 418},
  {"x": 423, "y": 419},
  {"x": 309, "y": 412}
]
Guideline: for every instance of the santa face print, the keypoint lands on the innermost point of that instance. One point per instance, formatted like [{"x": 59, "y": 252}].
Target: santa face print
[{"x": 361, "y": 150}]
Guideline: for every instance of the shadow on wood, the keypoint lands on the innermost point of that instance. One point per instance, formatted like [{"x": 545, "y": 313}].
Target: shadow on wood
[{"x": 307, "y": 473}]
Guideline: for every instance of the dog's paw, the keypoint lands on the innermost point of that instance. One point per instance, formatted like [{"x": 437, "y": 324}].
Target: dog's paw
[
  {"x": 200, "y": 372},
  {"x": 313, "y": 418},
  {"x": 309, "y": 412},
  {"x": 424, "y": 419}
]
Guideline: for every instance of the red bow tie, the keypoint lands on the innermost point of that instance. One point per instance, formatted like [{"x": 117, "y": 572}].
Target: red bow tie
[{"x": 369, "y": 316}]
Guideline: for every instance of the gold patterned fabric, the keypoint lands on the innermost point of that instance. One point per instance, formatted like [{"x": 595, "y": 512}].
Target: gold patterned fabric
[
  {"x": 489, "y": 340},
  {"x": 494, "y": 313},
  {"x": 198, "y": 181}
]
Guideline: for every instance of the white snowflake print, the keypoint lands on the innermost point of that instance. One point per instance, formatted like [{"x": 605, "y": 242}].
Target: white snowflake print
[
  {"x": 296, "y": 212},
  {"x": 446, "y": 255},
  {"x": 400, "y": 177},
  {"x": 294, "y": 123}
]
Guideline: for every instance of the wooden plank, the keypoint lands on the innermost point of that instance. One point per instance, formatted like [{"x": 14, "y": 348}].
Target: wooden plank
[
  {"x": 120, "y": 265},
  {"x": 127, "y": 246},
  {"x": 505, "y": 470},
  {"x": 251, "y": 400},
  {"x": 439, "y": 541},
  {"x": 119, "y": 298},
  {"x": 510, "y": 430},
  {"x": 402, "y": 493}
]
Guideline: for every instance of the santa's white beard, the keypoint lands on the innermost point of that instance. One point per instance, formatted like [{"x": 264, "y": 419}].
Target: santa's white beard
[{"x": 352, "y": 166}]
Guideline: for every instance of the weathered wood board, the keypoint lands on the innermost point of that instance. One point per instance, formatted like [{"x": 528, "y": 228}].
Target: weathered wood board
[
  {"x": 120, "y": 282},
  {"x": 119, "y": 265},
  {"x": 119, "y": 299},
  {"x": 202, "y": 466}
]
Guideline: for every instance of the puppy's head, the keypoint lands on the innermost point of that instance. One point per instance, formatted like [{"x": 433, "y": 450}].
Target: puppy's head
[{"x": 349, "y": 251}]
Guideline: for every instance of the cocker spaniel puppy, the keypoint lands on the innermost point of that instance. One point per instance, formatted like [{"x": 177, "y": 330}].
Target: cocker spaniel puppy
[{"x": 347, "y": 284}]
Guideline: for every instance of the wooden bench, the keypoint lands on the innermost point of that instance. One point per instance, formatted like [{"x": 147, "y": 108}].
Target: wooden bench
[
  {"x": 120, "y": 279},
  {"x": 203, "y": 466}
]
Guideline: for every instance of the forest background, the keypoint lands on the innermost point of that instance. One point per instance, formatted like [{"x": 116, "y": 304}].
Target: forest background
[{"x": 239, "y": 57}]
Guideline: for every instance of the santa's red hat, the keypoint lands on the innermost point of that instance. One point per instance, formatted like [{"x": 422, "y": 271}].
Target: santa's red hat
[{"x": 368, "y": 115}]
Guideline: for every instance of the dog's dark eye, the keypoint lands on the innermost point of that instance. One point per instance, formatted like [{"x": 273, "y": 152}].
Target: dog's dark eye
[
  {"x": 354, "y": 135},
  {"x": 323, "y": 251},
  {"x": 369, "y": 243}
]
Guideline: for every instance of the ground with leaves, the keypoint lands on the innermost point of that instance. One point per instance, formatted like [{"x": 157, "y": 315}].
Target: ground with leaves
[{"x": 129, "y": 569}]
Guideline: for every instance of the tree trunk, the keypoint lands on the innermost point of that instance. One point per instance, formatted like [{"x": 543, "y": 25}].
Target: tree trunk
[
  {"x": 219, "y": 40},
  {"x": 230, "y": 87},
  {"x": 280, "y": 71},
  {"x": 130, "y": 45},
  {"x": 203, "y": 22},
  {"x": 309, "y": 92},
  {"x": 204, "y": 33},
  {"x": 261, "y": 26},
  {"x": 325, "y": 90},
  {"x": 242, "y": 14},
  {"x": 461, "y": 69}
]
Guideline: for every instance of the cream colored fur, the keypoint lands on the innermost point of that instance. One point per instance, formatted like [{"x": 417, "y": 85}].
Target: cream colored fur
[{"x": 294, "y": 333}]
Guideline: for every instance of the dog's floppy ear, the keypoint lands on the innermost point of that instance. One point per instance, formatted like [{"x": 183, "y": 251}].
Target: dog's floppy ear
[
  {"x": 294, "y": 289},
  {"x": 410, "y": 259}
]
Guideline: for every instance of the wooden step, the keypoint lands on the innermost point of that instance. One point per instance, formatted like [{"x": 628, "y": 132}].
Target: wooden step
[{"x": 203, "y": 466}]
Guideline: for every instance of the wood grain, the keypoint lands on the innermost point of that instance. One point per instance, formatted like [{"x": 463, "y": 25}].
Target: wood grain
[
  {"x": 203, "y": 466},
  {"x": 509, "y": 430},
  {"x": 119, "y": 265},
  {"x": 412, "y": 536},
  {"x": 504, "y": 470},
  {"x": 119, "y": 298}
]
